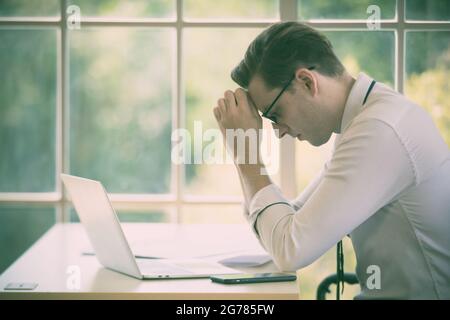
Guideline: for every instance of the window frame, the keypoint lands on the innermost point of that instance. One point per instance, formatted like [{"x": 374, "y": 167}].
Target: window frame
[{"x": 177, "y": 198}]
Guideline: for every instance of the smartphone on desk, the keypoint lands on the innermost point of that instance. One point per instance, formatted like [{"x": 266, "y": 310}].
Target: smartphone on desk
[{"x": 253, "y": 278}]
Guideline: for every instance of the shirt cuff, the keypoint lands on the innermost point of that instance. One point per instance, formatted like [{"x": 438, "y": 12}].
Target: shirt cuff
[
  {"x": 267, "y": 195},
  {"x": 265, "y": 198}
]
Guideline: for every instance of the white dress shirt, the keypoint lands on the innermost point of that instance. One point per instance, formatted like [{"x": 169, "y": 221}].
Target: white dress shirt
[{"x": 387, "y": 184}]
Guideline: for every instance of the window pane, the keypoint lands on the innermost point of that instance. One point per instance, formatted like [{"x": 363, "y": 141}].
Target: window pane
[
  {"x": 428, "y": 10},
  {"x": 130, "y": 9},
  {"x": 428, "y": 74},
  {"x": 310, "y": 161},
  {"x": 27, "y": 110},
  {"x": 230, "y": 213},
  {"x": 230, "y": 10},
  {"x": 344, "y": 9},
  {"x": 160, "y": 215},
  {"x": 207, "y": 76},
  {"x": 371, "y": 52},
  {"x": 27, "y": 8},
  {"x": 20, "y": 227},
  {"x": 120, "y": 107}
]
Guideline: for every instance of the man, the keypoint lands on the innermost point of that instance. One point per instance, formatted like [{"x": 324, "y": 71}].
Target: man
[{"x": 387, "y": 184}]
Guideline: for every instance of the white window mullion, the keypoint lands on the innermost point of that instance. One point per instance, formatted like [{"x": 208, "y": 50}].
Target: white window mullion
[
  {"x": 179, "y": 112},
  {"x": 288, "y": 12},
  {"x": 400, "y": 48},
  {"x": 65, "y": 116},
  {"x": 59, "y": 134}
]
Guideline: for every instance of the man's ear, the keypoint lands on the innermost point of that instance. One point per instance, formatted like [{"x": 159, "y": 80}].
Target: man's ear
[{"x": 308, "y": 80}]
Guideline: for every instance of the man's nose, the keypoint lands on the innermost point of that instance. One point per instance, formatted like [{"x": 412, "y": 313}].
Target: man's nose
[{"x": 282, "y": 130}]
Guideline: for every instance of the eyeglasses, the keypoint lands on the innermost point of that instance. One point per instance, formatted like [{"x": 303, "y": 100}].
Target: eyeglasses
[{"x": 265, "y": 114}]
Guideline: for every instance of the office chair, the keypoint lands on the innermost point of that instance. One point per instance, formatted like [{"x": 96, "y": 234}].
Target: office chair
[{"x": 324, "y": 286}]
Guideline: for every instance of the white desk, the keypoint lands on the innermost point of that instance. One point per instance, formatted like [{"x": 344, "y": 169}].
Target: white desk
[{"x": 48, "y": 260}]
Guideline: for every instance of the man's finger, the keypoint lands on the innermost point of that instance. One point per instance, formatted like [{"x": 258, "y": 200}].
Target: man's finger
[
  {"x": 222, "y": 104},
  {"x": 230, "y": 98},
  {"x": 243, "y": 99},
  {"x": 241, "y": 96},
  {"x": 216, "y": 112}
]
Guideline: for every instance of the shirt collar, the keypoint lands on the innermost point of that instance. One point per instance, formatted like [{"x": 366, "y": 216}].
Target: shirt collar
[{"x": 355, "y": 99}]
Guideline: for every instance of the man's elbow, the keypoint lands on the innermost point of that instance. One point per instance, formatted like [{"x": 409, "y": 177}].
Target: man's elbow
[
  {"x": 286, "y": 266},
  {"x": 286, "y": 252},
  {"x": 288, "y": 258}
]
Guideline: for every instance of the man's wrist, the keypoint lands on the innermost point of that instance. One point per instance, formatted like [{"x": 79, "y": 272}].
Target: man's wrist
[
  {"x": 254, "y": 175},
  {"x": 251, "y": 170},
  {"x": 253, "y": 178}
]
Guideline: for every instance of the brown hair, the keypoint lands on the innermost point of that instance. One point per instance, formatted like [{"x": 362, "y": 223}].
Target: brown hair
[{"x": 281, "y": 49}]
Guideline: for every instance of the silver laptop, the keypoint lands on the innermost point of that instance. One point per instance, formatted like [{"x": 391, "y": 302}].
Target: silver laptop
[{"x": 110, "y": 245}]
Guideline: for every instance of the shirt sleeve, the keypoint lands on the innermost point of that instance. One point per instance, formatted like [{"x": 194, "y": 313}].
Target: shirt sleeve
[
  {"x": 298, "y": 202},
  {"x": 369, "y": 168}
]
